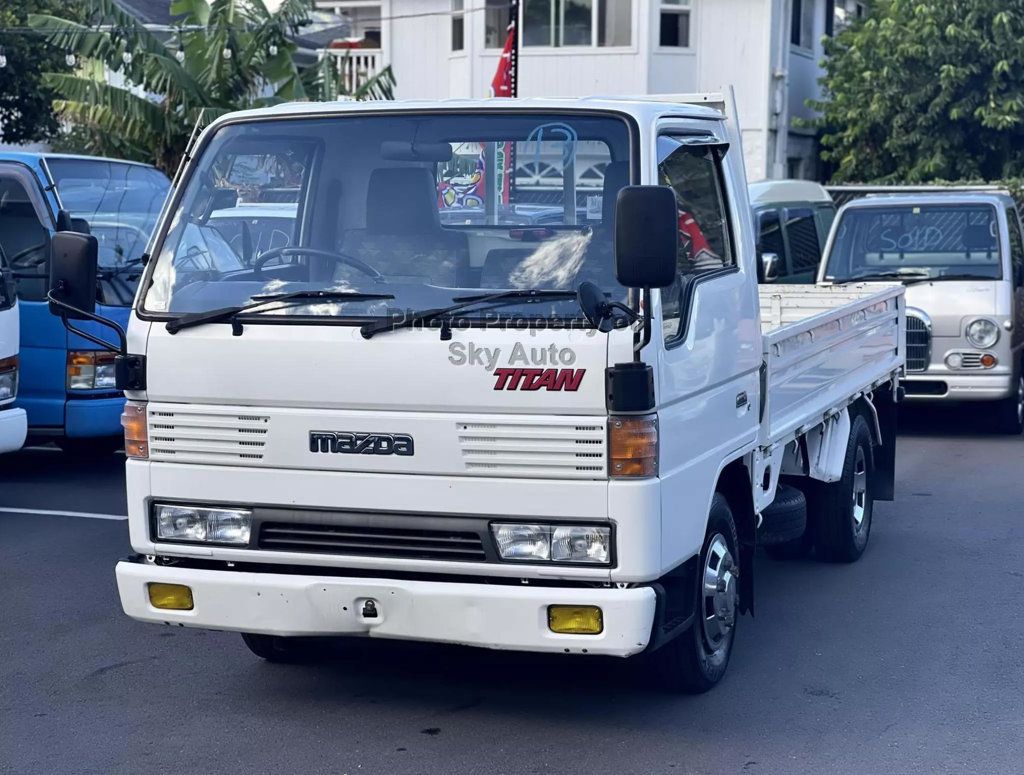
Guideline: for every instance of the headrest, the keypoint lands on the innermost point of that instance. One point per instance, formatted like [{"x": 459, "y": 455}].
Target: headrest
[
  {"x": 616, "y": 178},
  {"x": 401, "y": 200}
]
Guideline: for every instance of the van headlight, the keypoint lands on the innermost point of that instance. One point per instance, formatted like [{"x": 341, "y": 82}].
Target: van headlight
[
  {"x": 202, "y": 525},
  {"x": 91, "y": 370},
  {"x": 8, "y": 377},
  {"x": 585, "y": 544},
  {"x": 982, "y": 333}
]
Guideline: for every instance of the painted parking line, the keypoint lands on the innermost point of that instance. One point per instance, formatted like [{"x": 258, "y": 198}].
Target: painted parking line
[{"x": 48, "y": 513}]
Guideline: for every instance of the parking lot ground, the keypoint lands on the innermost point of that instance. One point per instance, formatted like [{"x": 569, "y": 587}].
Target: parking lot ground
[{"x": 909, "y": 661}]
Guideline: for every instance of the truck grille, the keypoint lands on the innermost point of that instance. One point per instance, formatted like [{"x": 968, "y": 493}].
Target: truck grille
[
  {"x": 563, "y": 448},
  {"x": 919, "y": 344},
  {"x": 207, "y": 437},
  {"x": 372, "y": 541}
]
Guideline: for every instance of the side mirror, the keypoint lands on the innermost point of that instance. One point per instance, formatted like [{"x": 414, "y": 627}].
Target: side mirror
[
  {"x": 73, "y": 260},
  {"x": 646, "y": 236},
  {"x": 771, "y": 267}
]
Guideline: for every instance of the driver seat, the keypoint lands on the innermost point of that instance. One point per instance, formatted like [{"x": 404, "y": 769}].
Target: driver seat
[{"x": 403, "y": 237}]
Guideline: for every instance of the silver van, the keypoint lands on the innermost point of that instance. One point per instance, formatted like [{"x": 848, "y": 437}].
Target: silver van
[
  {"x": 961, "y": 256},
  {"x": 792, "y": 220}
]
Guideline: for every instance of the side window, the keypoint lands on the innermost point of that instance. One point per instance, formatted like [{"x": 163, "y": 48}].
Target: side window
[
  {"x": 804, "y": 246},
  {"x": 694, "y": 174},
  {"x": 24, "y": 239},
  {"x": 769, "y": 237},
  {"x": 1016, "y": 242}
]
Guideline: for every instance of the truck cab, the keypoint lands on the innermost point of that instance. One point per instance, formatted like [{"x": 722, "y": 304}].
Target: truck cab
[
  {"x": 12, "y": 419},
  {"x": 67, "y": 384},
  {"x": 563, "y": 437},
  {"x": 961, "y": 256}
]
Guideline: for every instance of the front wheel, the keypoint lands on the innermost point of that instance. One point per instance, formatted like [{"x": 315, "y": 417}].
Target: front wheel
[
  {"x": 1010, "y": 411},
  {"x": 697, "y": 659}
]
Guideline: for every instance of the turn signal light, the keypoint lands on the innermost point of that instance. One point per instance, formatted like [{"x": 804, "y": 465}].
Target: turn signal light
[
  {"x": 170, "y": 597},
  {"x": 575, "y": 619},
  {"x": 136, "y": 431},
  {"x": 988, "y": 360},
  {"x": 633, "y": 446}
]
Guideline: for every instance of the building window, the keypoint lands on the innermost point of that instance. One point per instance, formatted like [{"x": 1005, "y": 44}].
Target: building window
[
  {"x": 558, "y": 23},
  {"x": 458, "y": 25},
  {"x": 496, "y": 19},
  {"x": 802, "y": 24},
  {"x": 361, "y": 25},
  {"x": 674, "y": 24}
]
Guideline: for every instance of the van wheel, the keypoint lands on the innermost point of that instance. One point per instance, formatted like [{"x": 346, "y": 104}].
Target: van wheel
[
  {"x": 696, "y": 660},
  {"x": 1010, "y": 411},
  {"x": 847, "y": 506},
  {"x": 275, "y": 648}
]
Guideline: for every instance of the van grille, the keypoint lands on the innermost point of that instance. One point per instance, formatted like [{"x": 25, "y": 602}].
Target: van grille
[
  {"x": 564, "y": 448},
  {"x": 372, "y": 541},
  {"x": 919, "y": 344},
  {"x": 200, "y": 437}
]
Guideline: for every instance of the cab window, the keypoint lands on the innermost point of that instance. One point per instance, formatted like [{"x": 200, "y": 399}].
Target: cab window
[{"x": 24, "y": 239}]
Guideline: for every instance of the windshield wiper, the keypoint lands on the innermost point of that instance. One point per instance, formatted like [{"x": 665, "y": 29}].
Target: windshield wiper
[
  {"x": 228, "y": 314},
  {"x": 501, "y": 299},
  {"x": 902, "y": 274}
]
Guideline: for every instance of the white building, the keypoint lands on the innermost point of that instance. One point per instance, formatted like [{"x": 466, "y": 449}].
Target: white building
[{"x": 769, "y": 50}]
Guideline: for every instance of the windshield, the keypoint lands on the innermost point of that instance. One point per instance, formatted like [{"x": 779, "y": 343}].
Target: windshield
[
  {"x": 916, "y": 242},
  {"x": 421, "y": 207},
  {"x": 120, "y": 204}
]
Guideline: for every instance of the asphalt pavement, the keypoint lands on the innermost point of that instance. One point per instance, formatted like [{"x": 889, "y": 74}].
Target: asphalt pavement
[{"x": 909, "y": 661}]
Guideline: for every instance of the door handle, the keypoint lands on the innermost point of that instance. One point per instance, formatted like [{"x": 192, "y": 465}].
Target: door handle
[{"x": 741, "y": 400}]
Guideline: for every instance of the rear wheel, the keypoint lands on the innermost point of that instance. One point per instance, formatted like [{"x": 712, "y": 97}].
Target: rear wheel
[
  {"x": 697, "y": 659},
  {"x": 847, "y": 506},
  {"x": 1010, "y": 411}
]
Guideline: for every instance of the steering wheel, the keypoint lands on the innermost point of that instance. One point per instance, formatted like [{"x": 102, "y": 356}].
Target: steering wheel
[
  {"x": 340, "y": 258},
  {"x": 16, "y": 257}
]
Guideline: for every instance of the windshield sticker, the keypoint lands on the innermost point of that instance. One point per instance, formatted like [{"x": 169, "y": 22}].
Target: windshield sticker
[{"x": 517, "y": 369}]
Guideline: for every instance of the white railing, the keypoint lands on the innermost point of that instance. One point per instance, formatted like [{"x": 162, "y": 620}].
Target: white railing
[{"x": 352, "y": 67}]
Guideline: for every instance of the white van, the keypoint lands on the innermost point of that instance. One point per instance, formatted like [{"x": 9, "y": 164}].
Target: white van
[{"x": 792, "y": 219}]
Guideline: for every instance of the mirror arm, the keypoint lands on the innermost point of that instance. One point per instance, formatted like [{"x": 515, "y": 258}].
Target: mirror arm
[{"x": 121, "y": 336}]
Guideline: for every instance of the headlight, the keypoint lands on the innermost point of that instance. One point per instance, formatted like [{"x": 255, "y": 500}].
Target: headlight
[
  {"x": 202, "y": 525},
  {"x": 91, "y": 370},
  {"x": 982, "y": 333},
  {"x": 555, "y": 543},
  {"x": 8, "y": 377}
]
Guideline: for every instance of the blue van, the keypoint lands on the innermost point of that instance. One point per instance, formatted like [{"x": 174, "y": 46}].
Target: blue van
[{"x": 66, "y": 382}]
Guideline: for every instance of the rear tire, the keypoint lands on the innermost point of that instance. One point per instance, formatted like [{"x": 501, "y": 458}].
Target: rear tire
[
  {"x": 847, "y": 506},
  {"x": 697, "y": 659},
  {"x": 1010, "y": 411},
  {"x": 275, "y": 648}
]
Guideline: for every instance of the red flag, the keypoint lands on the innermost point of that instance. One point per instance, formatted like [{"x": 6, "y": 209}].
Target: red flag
[{"x": 501, "y": 86}]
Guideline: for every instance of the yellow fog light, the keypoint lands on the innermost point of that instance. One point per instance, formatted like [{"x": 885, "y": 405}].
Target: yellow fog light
[
  {"x": 171, "y": 597},
  {"x": 575, "y": 619}
]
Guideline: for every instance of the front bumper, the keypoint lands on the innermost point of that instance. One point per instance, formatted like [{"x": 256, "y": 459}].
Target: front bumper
[
  {"x": 951, "y": 386},
  {"x": 495, "y": 616},
  {"x": 13, "y": 426},
  {"x": 93, "y": 417}
]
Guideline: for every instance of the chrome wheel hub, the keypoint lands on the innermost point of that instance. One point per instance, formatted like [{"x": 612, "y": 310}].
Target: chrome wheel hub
[
  {"x": 720, "y": 593},
  {"x": 860, "y": 489}
]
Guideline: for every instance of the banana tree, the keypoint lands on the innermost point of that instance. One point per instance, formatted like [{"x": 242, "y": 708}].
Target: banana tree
[{"x": 140, "y": 93}]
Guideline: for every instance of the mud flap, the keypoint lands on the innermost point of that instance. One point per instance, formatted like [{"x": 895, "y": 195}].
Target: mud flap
[{"x": 887, "y": 407}]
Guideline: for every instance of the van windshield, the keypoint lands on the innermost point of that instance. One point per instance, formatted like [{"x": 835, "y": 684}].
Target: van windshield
[
  {"x": 916, "y": 243},
  {"x": 426, "y": 208}
]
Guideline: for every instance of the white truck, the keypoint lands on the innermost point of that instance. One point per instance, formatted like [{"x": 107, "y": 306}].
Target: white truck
[
  {"x": 566, "y": 437},
  {"x": 12, "y": 420}
]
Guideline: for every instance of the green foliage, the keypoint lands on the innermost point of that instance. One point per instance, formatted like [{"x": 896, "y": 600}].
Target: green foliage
[
  {"x": 26, "y": 110},
  {"x": 924, "y": 90},
  {"x": 237, "y": 55}
]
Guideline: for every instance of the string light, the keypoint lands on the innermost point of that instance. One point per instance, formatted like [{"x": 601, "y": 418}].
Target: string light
[
  {"x": 70, "y": 59},
  {"x": 126, "y": 57},
  {"x": 226, "y": 53},
  {"x": 272, "y": 50},
  {"x": 180, "y": 55},
  {"x": 3, "y": 58}
]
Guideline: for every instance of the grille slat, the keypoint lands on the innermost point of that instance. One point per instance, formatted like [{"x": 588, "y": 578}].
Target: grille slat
[
  {"x": 563, "y": 448},
  {"x": 372, "y": 542},
  {"x": 200, "y": 437},
  {"x": 919, "y": 344}
]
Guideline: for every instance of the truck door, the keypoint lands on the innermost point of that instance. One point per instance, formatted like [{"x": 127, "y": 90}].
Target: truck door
[
  {"x": 711, "y": 339},
  {"x": 25, "y": 226}
]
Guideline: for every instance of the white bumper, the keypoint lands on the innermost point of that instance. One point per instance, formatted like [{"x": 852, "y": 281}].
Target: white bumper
[
  {"x": 487, "y": 615},
  {"x": 13, "y": 427}
]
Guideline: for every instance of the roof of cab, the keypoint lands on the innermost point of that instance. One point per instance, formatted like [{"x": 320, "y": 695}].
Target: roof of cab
[
  {"x": 995, "y": 198},
  {"x": 641, "y": 108},
  {"x": 29, "y": 156},
  {"x": 769, "y": 192}
]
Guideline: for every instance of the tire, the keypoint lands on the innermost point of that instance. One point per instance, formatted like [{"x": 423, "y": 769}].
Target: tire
[
  {"x": 697, "y": 658},
  {"x": 1010, "y": 411},
  {"x": 847, "y": 506},
  {"x": 785, "y": 520},
  {"x": 100, "y": 446},
  {"x": 275, "y": 648}
]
